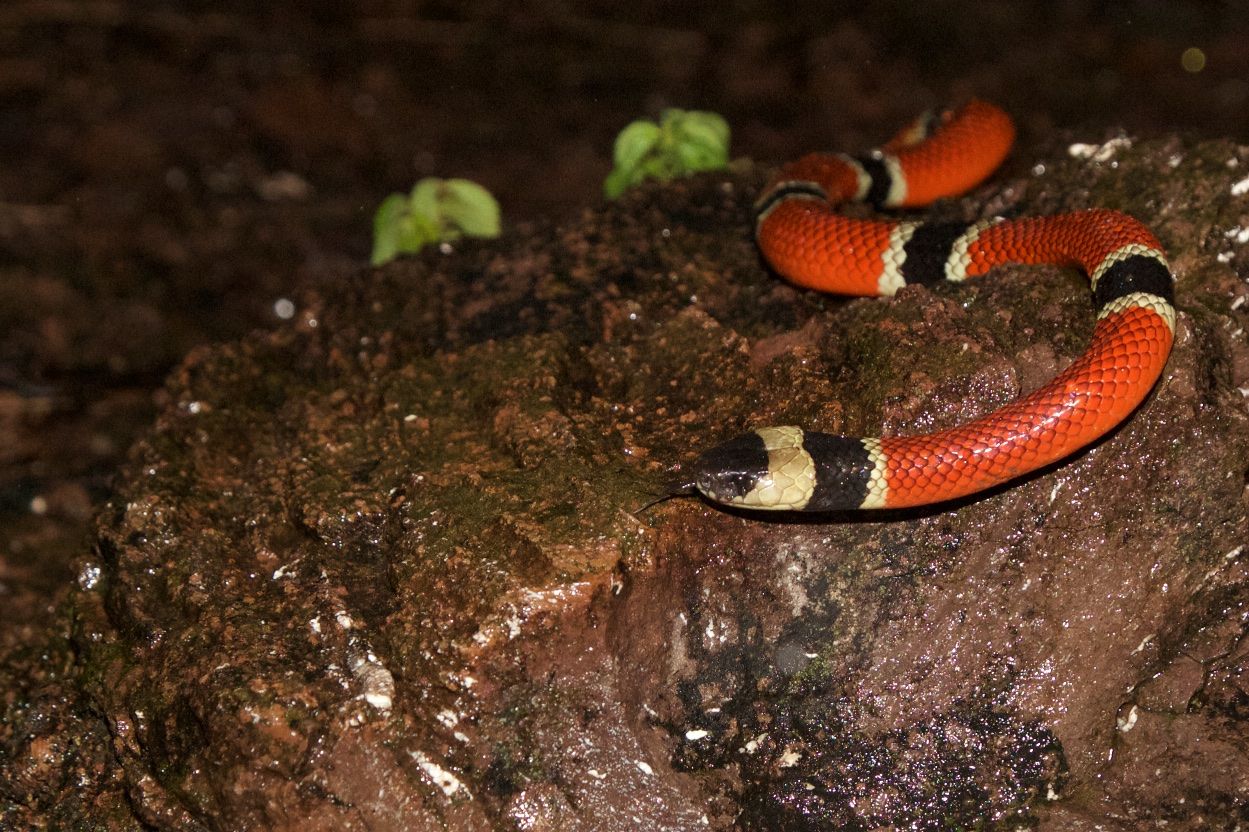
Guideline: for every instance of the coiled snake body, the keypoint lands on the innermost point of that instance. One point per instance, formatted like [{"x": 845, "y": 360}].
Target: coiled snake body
[{"x": 805, "y": 240}]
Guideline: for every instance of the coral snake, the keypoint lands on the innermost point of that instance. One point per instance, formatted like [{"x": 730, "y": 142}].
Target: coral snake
[{"x": 805, "y": 240}]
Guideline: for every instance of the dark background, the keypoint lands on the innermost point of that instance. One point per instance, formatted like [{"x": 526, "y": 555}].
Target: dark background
[{"x": 170, "y": 170}]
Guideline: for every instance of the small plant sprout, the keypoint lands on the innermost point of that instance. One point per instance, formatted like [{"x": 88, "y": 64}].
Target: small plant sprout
[
  {"x": 683, "y": 142},
  {"x": 437, "y": 210}
]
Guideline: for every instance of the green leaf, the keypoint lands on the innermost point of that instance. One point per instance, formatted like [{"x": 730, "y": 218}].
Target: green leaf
[
  {"x": 424, "y": 199},
  {"x": 617, "y": 182},
  {"x": 435, "y": 210},
  {"x": 705, "y": 128},
  {"x": 698, "y": 157},
  {"x": 702, "y": 141},
  {"x": 416, "y": 232},
  {"x": 634, "y": 142},
  {"x": 469, "y": 208},
  {"x": 684, "y": 141},
  {"x": 386, "y": 230}
]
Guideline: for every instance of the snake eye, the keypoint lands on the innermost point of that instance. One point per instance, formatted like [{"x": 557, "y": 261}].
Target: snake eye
[{"x": 726, "y": 486}]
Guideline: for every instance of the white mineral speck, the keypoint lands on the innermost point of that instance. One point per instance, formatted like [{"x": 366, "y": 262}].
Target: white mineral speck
[
  {"x": 89, "y": 576},
  {"x": 1099, "y": 152},
  {"x": 442, "y": 778},
  {"x": 376, "y": 682},
  {"x": 378, "y": 700}
]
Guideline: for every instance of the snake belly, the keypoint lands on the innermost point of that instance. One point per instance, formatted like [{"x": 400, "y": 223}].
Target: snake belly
[{"x": 803, "y": 238}]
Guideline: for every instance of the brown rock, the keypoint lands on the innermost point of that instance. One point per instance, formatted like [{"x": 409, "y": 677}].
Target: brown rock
[{"x": 378, "y": 570}]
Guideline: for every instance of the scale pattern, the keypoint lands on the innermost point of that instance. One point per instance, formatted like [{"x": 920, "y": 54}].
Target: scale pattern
[{"x": 806, "y": 241}]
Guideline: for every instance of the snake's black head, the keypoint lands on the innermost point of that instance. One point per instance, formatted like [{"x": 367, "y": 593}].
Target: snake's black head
[
  {"x": 728, "y": 473},
  {"x": 768, "y": 469}
]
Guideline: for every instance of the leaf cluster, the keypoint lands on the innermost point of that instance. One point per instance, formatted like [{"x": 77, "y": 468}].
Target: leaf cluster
[
  {"x": 436, "y": 210},
  {"x": 682, "y": 142}
]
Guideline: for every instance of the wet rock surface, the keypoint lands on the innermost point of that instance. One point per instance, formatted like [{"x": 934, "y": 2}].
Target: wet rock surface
[{"x": 378, "y": 569}]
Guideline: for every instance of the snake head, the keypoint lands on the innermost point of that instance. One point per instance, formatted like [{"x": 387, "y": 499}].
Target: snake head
[
  {"x": 767, "y": 469},
  {"x": 729, "y": 472}
]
